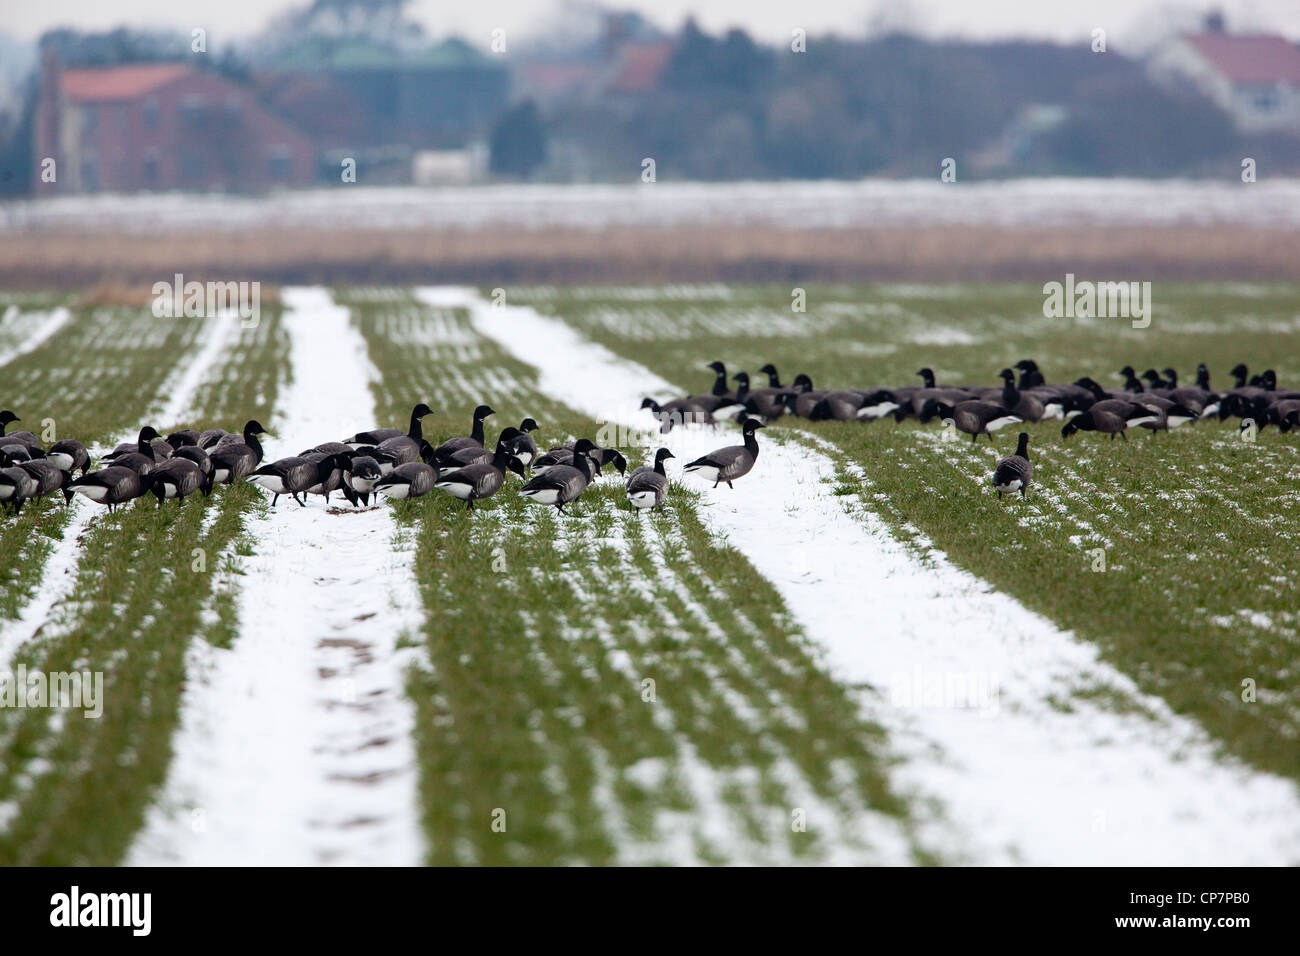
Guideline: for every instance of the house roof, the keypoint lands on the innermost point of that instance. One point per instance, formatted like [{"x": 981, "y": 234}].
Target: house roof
[
  {"x": 115, "y": 83},
  {"x": 641, "y": 65},
  {"x": 1250, "y": 60}
]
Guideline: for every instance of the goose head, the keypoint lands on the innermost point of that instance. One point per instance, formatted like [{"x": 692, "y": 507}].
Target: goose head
[
  {"x": 927, "y": 376},
  {"x": 1171, "y": 376},
  {"x": 802, "y": 383},
  {"x": 1022, "y": 445},
  {"x": 364, "y": 466},
  {"x": 583, "y": 446},
  {"x": 650, "y": 403},
  {"x": 662, "y": 455},
  {"x": 528, "y": 425},
  {"x": 1269, "y": 380},
  {"x": 717, "y": 367},
  {"x": 742, "y": 378},
  {"x": 482, "y": 412},
  {"x": 1007, "y": 376},
  {"x": 751, "y": 425},
  {"x": 419, "y": 411},
  {"x": 612, "y": 456},
  {"x": 515, "y": 465},
  {"x": 1203, "y": 375},
  {"x": 933, "y": 408},
  {"x": 1152, "y": 376},
  {"x": 427, "y": 452},
  {"x": 1026, "y": 365},
  {"x": 253, "y": 428},
  {"x": 1097, "y": 391},
  {"x": 1239, "y": 372},
  {"x": 1074, "y": 424},
  {"x": 508, "y": 435}
]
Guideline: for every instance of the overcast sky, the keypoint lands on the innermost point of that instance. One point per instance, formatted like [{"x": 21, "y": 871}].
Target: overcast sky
[{"x": 1131, "y": 23}]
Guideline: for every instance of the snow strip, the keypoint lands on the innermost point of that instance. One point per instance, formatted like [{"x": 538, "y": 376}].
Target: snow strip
[
  {"x": 45, "y": 325},
  {"x": 175, "y": 398},
  {"x": 979, "y": 694},
  {"x": 295, "y": 746}
]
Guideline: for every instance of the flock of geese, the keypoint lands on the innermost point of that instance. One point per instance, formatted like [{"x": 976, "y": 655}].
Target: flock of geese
[
  {"x": 400, "y": 464},
  {"x": 384, "y": 462},
  {"x": 1153, "y": 400}
]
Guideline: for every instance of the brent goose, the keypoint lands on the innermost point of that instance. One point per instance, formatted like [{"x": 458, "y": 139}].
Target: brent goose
[
  {"x": 174, "y": 478},
  {"x": 482, "y": 479},
  {"x": 1014, "y": 472},
  {"x": 475, "y": 438},
  {"x": 647, "y": 486},
  {"x": 728, "y": 464},
  {"x": 975, "y": 418},
  {"x": 21, "y": 438},
  {"x": 560, "y": 484},
  {"x": 68, "y": 454},
  {"x": 110, "y": 486},
  {"x": 377, "y": 435},
  {"x": 236, "y": 458}
]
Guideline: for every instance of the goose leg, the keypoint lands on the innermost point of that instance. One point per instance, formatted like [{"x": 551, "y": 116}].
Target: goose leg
[
  {"x": 274, "y": 499},
  {"x": 469, "y": 504},
  {"x": 731, "y": 486},
  {"x": 1024, "y": 493},
  {"x": 301, "y": 503},
  {"x": 1123, "y": 435},
  {"x": 999, "y": 496}
]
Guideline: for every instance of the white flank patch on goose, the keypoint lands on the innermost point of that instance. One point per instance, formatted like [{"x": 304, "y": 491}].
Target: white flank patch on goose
[
  {"x": 176, "y": 396},
  {"x": 43, "y": 327},
  {"x": 295, "y": 745},
  {"x": 1019, "y": 779}
]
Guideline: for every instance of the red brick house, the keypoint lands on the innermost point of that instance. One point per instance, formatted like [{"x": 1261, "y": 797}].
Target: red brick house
[{"x": 158, "y": 126}]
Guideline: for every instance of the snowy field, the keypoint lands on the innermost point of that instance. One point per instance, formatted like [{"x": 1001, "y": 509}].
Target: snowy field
[{"x": 391, "y": 685}]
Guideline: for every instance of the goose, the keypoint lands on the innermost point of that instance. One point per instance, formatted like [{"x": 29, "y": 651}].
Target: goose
[
  {"x": 68, "y": 454},
  {"x": 330, "y": 467},
  {"x": 767, "y": 403},
  {"x": 210, "y": 437},
  {"x": 17, "y": 484},
  {"x": 377, "y": 435},
  {"x": 183, "y": 438},
  {"x": 200, "y": 457},
  {"x": 294, "y": 475},
  {"x": 397, "y": 449},
  {"x": 49, "y": 477},
  {"x": 144, "y": 455},
  {"x": 1024, "y": 405},
  {"x": 1030, "y": 376},
  {"x": 839, "y": 406},
  {"x": 19, "y": 452},
  {"x": 160, "y": 449},
  {"x": 1112, "y": 416},
  {"x": 21, "y": 438},
  {"x": 524, "y": 447},
  {"x": 175, "y": 478},
  {"x": 110, "y": 486},
  {"x": 647, "y": 486},
  {"x": 483, "y": 479},
  {"x": 806, "y": 396},
  {"x": 728, "y": 464},
  {"x": 475, "y": 455},
  {"x": 560, "y": 484},
  {"x": 720, "y": 403},
  {"x": 678, "y": 411},
  {"x": 563, "y": 455},
  {"x": 1013, "y": 473},
  {"x": 975, "y": 418},
  {"x": 409, "y": 480},
  {"x": 236, "y": 459},
  {"x": 1165, "y": 413},
  {"x": 362, "y": 475},
  {"x": 475, "y": 437}
]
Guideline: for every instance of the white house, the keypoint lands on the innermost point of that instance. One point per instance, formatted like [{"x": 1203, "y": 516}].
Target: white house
[{"x": 1255, "y": 80}]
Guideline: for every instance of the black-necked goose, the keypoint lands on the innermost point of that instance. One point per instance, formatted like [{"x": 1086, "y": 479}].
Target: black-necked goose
[
  {"x": 183, "y": 438},
  {"x": 720, "y": 402},
  {"x": 647, "y": 486},
  {"x": 1014, "y": 472},
  {"x": 678, "y": 411},
  {"x": 768, "y": 403},
  {"x": 49, "y": 478},
  {"x": 1030, "y": 376},
  {"x": 140, "y": 459},
  {"x": 560, "y": 484},
  {"x": 17, "y": 484},
  {"x": 410, "y": 480},
  {"x": 22, "y": 438},
  {"x": 377, "y": 435},
  {"x": 524, "y": 447},
  {"x": 237, "y": 458},
  {"x": 1111, "y": 416},
  {"x": 482, "y": 479},
  {"x": 68, "y": 454},
  {"x": 728, "y": 464},
  {"x": 177, "y": 478},
  {"x": 209, "y": 438},
  {"x": 475, "y": 437},
  {"x": 110, "y": 486},
  {"x": 474, "y": 454},
  {"x": 294, "y": 475},
  {"x": 363, "y": 474},
  {"x": 975, "y": 418}
]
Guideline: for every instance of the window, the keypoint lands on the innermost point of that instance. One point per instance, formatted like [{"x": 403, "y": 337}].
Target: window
[
  {"x": 192, "y": 166},
  {"x": 192, "y": 107},
  {"x": 151, "y": 113},
  {"x": 1263, "y": 99},
  {"x": 279, "y": 163},
  {"x": 90, "y": 175},
  {"x": 151, "y": 169}
]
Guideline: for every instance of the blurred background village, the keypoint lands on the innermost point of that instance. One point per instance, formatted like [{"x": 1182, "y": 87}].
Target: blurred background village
[{"x": 336, "y": 93}]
